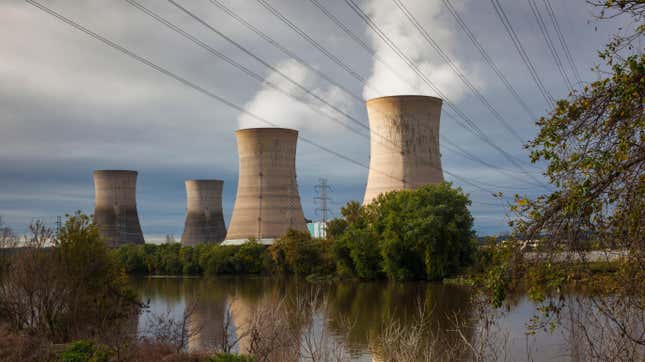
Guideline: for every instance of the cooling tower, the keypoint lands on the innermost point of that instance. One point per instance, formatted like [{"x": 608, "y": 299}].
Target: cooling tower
[
  {"x": 115, "y": 212},
  {"x": 267, "y": 202},
  {"x": 204, "y": 216},
  {"x": 404, "y": 144}
]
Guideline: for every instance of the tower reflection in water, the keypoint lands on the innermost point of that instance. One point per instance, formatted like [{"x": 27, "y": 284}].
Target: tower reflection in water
[{"x": 366, "y": 306}]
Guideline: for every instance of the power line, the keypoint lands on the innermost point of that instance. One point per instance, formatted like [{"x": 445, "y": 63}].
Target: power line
[
  {"x": 446, "y": 58},
  {"x": 563, "y": 42},
  {"x": 250, "y": 72},
  {"x": 549, "y": 43},
  {"x": 210, "y": 94},
  {"x": 357, "y": 39},
  {"x": 472, "y": 127},
  {"x": 305, "y": 36},
  {"x": 263, "y": 62},
  {"x": 304, "y": 63},
  {"x": 241, "y": 67},
  {"x": 471, "y": 124},
  {"x": 282, "y": 48},
  {"x": 488, "y": 59},
  {"x": 517, "y": 43}
]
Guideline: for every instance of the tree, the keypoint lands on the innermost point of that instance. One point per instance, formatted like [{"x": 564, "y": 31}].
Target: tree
[
  {"x": 425, "y": 233},
  {"x": 593, "y": 143},
  {"x": 68, "y": 286},
  {"x": 412, "y": 234},
  {"x": 298, "y": 253}
]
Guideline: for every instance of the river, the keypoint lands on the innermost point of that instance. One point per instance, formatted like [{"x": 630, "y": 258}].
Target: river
[{"x": 353, "y": 315}]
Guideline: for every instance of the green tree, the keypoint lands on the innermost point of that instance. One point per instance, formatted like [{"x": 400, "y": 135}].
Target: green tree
[
  {"x": 298, "y": 253},
  {"x": 425, "y": 233},
  {"x": 593, "y": 145},
  {"x": 250, "y": 258}
]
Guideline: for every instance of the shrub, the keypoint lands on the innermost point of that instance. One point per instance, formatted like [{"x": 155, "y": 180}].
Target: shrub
[
  {"x": 424, "y": 234},
  {"x": 85, "y": 351},
  {"x": 298, "y": 253},
  {"x": 227, "y": 357},
  {"x": 249, "y": 258},
  {"x": 219, "y": 260},
  {"x": 74, "y": 289}
]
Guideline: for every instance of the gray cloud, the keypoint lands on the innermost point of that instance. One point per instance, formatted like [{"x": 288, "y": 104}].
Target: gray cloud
[{"x": 69, "y": 104}]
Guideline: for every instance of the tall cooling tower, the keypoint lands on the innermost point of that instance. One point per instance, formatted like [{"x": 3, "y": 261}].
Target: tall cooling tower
[
  {"x": 204, "y": 216},
  {"x": 404, "y": 144},
  {"x": 115, "y": 212},
  {"x": 267, "y": 203}
]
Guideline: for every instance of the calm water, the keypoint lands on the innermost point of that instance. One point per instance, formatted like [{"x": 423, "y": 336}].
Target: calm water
[{"x": 354, "y": 313}]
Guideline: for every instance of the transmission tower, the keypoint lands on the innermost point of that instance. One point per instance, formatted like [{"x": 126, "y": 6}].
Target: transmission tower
[
  {"x": 323, "y": 189},
  {"x": 59, "y": 225}
]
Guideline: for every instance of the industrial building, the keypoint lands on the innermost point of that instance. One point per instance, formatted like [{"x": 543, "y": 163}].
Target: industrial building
[
  {"x": 404, "y": 144},
  {"x": 204, "y": 215},
  {"x": 267, "y": 202},
  {"x": 115, "y": 211}
]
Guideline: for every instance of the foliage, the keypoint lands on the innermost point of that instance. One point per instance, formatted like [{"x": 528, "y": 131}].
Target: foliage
[
  {"x": 65, "y": 286},
  {"x": 413, "y": 234},
  {"x": 209, "y": 259},
  {"x": 299, "y": 254},
  {"x": 593, "y": 145},
  {"x": 426, "y": 233},
  {"x": 226, "y": 357},
  {"x": 85, "y": 351}
]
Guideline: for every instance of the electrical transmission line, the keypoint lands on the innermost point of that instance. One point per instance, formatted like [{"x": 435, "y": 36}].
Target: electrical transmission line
[
  {"x": 446, "y": 58},
  {"x": 285, "y": 51},
  {"x": 210, "y": 94},
  {"x": 499, "y": 10},
  {"x": 472, "y": 126},
  {"x": 563, "y": 42},
  {"x": 250, "y": 72},
  {"x": 549, "y": 42},
  {"x": 253, "y": 74},
  {"x": 488, "y": 59}
]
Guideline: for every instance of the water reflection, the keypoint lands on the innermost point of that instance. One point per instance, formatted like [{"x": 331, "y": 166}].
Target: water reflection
[{"x": 354, "y": 313}]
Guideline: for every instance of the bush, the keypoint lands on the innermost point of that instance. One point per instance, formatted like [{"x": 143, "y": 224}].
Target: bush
[
  {"x": 85, "y": 351},
  {"x": 226, "y": 357},
  {"x": 414, "y": 234},
  {"x": 250, "y": 258},
  {"x": 425, "y": 233},
  {"x": 299, "y": 254},
  {"x": 71, "y": 290}
]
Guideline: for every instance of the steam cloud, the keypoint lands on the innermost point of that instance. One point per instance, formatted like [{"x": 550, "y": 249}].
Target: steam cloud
[
  {"x": 288, "y": 112},
  {"x": 403, "y": 33}
]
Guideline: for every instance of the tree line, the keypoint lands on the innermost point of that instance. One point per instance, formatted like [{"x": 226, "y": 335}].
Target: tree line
[{"x": 423, "y": 234}]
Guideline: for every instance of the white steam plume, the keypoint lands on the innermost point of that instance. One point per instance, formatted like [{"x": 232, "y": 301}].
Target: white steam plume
[
  {"x": 290, "y": 113},
  {"x": 403, "y": 33}
]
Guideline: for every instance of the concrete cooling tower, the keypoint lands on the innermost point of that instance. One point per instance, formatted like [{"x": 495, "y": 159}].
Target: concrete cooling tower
[
  {"x": 267, "y": 203},
  {"x": 204, "y": 216},
  {"x": 404, "y": 144},
  {"x": 115, "y": 211}
]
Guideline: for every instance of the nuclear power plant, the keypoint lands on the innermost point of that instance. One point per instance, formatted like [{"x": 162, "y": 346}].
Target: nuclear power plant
[
  {"x": 267, "y": 202},
  {"x": 115, "y": 211},
  {"x": 204, "y": 215},
  {"x": 404, "y": 144},
  {"x": 404, "y": 155}
]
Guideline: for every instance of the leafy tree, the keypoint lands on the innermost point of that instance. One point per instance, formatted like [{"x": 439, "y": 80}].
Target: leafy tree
[
  {"x": 425, "y": 233},
  {"x": 249, "y": 258},
  {"x": 65, "y": 287},
  {"x": 593, "y": 143},
  {"x": 189, "y": 260},
  {"x": 219, "y": 260},
  {"x": 300, "y": 254}
]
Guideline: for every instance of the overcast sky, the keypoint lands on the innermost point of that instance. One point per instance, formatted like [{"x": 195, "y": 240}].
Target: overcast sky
[{"x": 69, "y": 104}]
